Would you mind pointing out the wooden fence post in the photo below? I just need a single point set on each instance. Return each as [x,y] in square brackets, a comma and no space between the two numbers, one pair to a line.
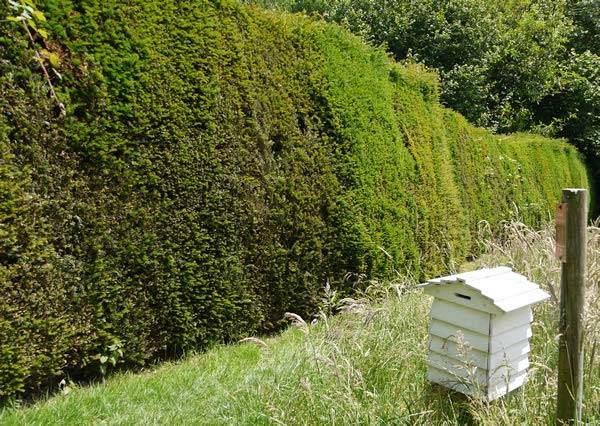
[573,210]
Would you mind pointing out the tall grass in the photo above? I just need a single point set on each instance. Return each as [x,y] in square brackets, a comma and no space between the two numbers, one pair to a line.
[366,365]
[531,253]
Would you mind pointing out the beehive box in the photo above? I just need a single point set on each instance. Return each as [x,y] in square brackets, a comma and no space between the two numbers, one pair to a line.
[479,330]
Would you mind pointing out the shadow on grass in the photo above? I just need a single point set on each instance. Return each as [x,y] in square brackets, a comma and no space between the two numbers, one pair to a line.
[447,404]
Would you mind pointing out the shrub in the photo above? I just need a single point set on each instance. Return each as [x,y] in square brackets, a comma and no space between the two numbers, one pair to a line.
[519,66]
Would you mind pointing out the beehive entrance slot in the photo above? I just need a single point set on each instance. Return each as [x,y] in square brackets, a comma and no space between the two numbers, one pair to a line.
[462,296]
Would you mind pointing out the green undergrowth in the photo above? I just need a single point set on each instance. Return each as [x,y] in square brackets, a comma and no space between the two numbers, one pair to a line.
[217,165]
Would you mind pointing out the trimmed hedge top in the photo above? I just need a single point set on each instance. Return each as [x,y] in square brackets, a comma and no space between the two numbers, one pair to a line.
[218,164]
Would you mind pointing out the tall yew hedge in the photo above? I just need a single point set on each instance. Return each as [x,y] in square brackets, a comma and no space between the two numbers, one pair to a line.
[217,165]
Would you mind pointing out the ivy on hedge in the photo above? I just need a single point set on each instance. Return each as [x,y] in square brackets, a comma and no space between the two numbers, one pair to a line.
[219,164]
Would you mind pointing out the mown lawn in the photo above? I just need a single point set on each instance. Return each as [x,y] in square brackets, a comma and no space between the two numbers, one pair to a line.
[364,366]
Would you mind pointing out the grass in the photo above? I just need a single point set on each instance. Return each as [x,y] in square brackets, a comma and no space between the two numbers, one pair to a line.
[364,366]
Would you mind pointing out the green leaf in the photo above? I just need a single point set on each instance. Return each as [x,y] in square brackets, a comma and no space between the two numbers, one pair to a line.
[54,60]
[39,16]
[42,32]
[14,18]
[103,359]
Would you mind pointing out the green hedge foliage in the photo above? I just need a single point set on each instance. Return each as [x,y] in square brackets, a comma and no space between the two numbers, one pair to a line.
[218,164]
[510,66]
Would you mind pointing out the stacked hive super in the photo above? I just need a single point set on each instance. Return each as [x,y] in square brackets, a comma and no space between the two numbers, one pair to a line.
[479,330]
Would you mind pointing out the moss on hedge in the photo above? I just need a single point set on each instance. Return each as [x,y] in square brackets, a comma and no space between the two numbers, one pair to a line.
[217,166]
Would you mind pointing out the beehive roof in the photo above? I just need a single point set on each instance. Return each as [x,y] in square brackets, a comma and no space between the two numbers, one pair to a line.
[506,289]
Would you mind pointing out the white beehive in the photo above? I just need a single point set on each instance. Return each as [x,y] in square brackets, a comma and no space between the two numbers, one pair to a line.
[479,330]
